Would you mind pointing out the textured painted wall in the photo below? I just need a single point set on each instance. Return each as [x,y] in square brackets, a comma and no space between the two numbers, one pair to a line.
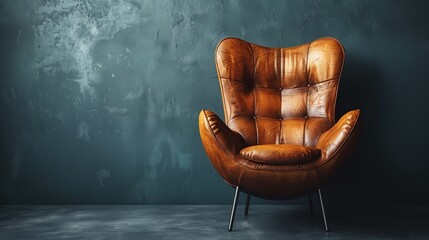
[99,99]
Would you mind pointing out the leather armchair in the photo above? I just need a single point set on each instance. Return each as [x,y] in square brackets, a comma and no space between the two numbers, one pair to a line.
[279,139]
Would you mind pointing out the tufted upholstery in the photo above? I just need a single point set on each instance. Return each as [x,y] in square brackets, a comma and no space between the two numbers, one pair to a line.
[279,95]
[279,139]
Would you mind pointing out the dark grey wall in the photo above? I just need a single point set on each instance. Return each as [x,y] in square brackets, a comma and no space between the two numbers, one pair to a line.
[99,99]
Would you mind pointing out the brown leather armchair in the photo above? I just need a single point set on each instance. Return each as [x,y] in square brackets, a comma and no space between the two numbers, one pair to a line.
[279,140]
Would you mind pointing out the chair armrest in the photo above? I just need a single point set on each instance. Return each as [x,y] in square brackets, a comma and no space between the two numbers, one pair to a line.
[222,146]
[214,131]
[336,138]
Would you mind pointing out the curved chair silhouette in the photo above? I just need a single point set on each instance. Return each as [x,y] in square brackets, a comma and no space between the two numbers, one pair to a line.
[280,140]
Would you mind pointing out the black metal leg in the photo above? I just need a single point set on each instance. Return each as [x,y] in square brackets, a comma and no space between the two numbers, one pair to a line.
[234,206]
[310,204]
[323,211]
[246,209]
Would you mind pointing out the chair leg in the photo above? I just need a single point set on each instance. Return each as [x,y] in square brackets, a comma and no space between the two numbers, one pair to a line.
[234,206]
[310,204]
[323,211]
[246,209]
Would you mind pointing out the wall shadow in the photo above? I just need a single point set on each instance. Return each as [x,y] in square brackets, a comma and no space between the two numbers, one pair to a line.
[360,88]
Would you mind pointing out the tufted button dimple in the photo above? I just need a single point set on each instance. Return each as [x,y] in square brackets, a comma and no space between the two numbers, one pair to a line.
[254,117]
[281,89]
[306,117]
[308,85]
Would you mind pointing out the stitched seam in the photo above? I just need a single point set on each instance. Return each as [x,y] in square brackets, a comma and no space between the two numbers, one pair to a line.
[299,118]
[308,90]
[267,118]
[274,89]
[254,96]
[327,80]
[281,131]
[267,88]
[303,137]
[280,138]
[219,81]
[230,79]
[234,117]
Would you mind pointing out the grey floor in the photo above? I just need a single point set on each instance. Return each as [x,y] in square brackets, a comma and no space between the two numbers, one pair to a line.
[210,222]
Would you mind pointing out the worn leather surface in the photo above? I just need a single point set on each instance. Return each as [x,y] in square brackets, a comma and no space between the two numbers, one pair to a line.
[280,153]
[276,98]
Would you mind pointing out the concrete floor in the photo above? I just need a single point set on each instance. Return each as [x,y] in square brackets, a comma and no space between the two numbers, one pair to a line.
[210,222]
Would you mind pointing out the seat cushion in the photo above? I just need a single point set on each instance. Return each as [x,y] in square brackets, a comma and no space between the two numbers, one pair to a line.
[280,153]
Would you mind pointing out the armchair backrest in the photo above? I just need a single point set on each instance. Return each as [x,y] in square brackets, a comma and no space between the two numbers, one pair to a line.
[279,95]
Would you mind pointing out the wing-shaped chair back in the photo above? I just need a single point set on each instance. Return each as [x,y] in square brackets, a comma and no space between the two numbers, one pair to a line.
[279,95]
